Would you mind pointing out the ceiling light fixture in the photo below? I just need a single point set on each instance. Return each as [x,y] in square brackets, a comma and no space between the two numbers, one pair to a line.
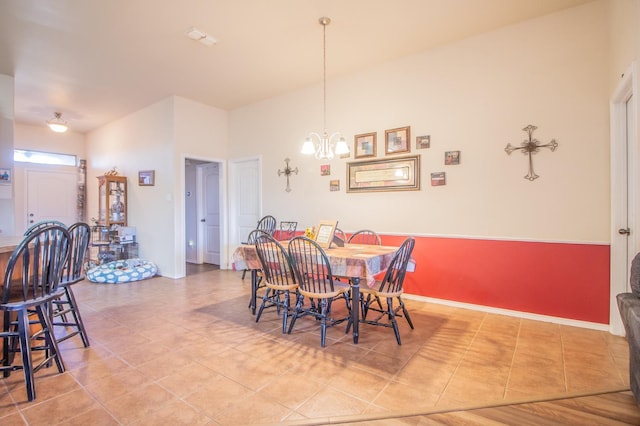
[323,148]
[195,34]
[57,124]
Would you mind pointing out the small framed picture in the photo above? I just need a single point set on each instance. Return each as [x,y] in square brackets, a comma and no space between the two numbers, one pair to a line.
[146,178]
[438,179]
[324,233]
[5,176]
[423,142]
[451,158]
[364,145]
[397,140]
[325,169]
[334,185]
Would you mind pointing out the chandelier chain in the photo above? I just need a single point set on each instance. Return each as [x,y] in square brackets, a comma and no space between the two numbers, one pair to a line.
[325,148]
[324,74]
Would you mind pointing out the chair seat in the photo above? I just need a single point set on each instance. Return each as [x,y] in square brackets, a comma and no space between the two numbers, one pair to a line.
[18,305]
[339,289]
[375,291]
[290,287]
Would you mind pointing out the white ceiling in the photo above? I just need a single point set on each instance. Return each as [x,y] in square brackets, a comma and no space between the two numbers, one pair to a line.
[98,60]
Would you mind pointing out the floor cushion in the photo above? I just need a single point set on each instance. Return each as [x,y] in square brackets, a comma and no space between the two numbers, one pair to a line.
[122,271]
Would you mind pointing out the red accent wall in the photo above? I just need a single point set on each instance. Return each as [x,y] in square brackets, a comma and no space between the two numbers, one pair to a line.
[561,280]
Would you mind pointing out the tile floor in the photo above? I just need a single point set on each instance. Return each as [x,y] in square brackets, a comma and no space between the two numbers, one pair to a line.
[189,352]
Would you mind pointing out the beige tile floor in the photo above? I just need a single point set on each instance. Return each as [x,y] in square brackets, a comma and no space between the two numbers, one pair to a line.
[189,352]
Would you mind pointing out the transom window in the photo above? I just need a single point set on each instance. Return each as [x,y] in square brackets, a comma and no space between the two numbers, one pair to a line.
[40,157]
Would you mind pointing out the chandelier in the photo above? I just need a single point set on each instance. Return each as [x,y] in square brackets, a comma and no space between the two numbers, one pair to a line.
[323,148]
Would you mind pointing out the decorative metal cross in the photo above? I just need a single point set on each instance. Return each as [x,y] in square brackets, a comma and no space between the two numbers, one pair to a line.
[287,172]
[531,147]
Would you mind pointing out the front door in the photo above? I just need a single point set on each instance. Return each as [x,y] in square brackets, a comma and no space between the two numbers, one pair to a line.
[51,195]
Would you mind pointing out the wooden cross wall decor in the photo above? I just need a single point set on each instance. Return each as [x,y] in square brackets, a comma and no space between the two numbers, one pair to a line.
[530,147]
[288,171]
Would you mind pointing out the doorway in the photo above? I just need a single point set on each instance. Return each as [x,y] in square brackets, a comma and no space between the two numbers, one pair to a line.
[203,214]
[625,192]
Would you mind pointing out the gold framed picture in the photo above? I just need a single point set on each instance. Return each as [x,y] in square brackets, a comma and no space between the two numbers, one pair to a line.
[396,141]
[364,145]
[386,174]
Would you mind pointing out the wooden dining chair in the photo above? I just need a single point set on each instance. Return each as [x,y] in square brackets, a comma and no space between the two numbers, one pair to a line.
[258,283]
[317,284]
[267,224]
[340,236]
[42,224]
[278,277]
[365,236]
[251,240]
[287,230]
[389,288]
[31,282]
[66,313]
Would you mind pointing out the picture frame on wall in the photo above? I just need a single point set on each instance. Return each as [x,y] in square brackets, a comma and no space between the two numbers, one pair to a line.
[438,179]
[451,158]
[396,141]
[146,178]
[423,142]
[5,176]
[365,145]
[384,174]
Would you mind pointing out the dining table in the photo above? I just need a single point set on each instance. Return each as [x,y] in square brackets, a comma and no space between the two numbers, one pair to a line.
[359,263]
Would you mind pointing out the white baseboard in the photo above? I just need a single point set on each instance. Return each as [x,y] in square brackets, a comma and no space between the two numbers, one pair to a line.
[508,312]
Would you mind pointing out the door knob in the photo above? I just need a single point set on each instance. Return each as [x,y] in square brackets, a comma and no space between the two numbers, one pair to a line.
[203,220]
[624,231]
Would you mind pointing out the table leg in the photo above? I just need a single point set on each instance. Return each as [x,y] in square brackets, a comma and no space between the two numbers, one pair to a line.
[355,307]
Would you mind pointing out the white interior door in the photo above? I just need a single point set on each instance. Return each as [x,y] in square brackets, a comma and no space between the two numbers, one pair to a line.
[51,195]
[625,192]
[245,198]
[211,213]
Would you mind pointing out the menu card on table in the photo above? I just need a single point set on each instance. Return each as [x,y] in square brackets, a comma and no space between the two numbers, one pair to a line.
[324,234]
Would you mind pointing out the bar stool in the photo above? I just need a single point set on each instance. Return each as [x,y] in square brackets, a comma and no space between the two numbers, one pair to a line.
[31,282]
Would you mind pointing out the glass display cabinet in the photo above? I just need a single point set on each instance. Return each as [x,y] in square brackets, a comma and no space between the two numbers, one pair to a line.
[112,205]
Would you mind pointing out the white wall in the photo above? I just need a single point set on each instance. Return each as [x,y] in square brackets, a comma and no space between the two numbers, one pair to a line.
[201,132]
[140,141]
[474,96]
[158,138]
[624,24]
[7,223]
